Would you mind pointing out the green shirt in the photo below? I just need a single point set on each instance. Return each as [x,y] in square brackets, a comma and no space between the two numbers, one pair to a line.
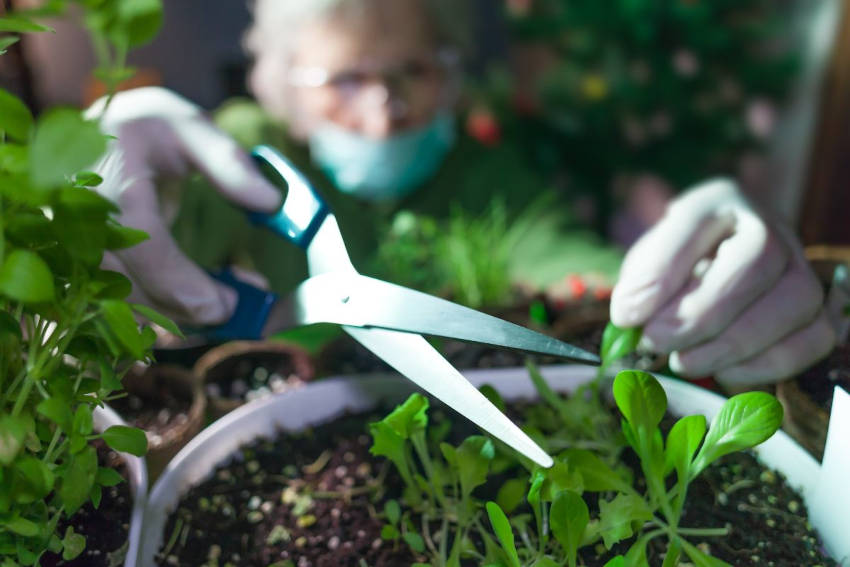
[213,232]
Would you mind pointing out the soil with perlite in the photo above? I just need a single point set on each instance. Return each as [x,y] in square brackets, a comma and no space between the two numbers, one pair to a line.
[312,500]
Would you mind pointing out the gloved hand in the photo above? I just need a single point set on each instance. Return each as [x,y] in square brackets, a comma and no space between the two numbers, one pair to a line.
[160,136]
[723,291]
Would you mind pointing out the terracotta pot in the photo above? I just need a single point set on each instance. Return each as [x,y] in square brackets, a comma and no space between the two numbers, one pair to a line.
[152,386]
[232,361]
[326,400]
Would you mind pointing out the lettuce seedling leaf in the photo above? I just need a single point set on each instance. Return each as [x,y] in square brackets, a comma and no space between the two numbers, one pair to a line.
[568,517]
[617,342]
[472,459]
[617,517]
[504,533]
[682,443]
[597,476]
[744,421]
[640,398]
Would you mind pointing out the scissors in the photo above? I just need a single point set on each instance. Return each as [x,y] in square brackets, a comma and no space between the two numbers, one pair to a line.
[387,319]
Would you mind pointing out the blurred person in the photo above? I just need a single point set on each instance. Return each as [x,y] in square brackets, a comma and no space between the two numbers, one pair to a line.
[361,95]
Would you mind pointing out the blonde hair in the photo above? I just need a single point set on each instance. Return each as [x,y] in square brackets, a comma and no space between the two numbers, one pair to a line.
[276,23]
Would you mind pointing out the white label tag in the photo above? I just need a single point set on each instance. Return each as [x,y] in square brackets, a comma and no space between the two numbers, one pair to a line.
[830,506]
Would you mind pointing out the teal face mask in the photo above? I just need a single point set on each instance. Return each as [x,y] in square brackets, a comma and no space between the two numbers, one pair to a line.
[385,169]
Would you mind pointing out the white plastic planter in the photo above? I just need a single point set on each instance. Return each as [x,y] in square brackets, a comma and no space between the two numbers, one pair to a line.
[328,399]
[105,418]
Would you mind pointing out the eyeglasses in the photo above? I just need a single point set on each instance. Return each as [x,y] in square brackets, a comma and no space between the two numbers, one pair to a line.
[407,79]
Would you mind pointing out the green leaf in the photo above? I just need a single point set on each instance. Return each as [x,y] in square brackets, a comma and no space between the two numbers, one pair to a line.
[472,459]
[141,20]
[78,480]
[82,424]
[106,284]
[389,532]
[21,25]
[13,431]
[393,511]
[569,517]
[617,342]
[616,518]
[15,117]
[682,443]
[161,320]
[126,439]
[96,496]
[511,494]
[72,544]
[119,237]
[87,179]
[108,477]
[560,477]
[546,562]
[597,476]
[33,480]
[744,421]
[386,442]
[701,559]
[618,561]
[640,398]
[25,277]
[410,416]
[414,541]
[504,533]
[21,526]
[8,41]
[119,317]
[64,143]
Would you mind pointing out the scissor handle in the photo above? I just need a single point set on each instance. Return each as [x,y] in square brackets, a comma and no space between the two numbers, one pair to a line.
[252,310]
[303,209]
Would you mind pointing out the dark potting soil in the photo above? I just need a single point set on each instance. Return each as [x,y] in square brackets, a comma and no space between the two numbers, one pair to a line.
[250,375]
[106,528]
[310,499]
[314,499]
[819,381]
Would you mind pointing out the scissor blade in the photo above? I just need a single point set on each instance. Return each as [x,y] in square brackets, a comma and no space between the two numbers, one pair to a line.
[415,359]
[327,252]
[354,299]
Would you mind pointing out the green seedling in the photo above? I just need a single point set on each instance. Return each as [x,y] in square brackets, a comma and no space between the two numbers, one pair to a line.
[67,333]
[540,518]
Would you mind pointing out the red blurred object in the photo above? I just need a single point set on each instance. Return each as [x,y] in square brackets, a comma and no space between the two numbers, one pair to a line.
[577,286]
[708,383]
[482,125]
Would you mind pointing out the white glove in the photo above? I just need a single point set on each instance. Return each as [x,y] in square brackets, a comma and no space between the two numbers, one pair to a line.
[161,135]
[723,291]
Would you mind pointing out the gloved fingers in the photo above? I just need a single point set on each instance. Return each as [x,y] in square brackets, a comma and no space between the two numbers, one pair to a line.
[226,165]
[784,359]
[792,304]
[172,282]
[662,261]
[745,266]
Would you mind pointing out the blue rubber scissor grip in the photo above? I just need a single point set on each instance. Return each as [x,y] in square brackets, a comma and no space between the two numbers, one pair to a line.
[303,209]
[252,310]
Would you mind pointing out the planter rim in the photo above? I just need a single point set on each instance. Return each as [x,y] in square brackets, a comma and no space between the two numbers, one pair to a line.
[103,418]
[331,398]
